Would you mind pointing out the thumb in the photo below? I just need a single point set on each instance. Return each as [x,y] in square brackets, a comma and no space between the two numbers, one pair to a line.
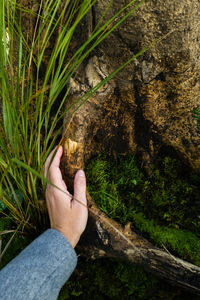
[80,188]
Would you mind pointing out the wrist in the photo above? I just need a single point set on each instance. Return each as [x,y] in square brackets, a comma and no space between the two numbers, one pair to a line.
[71,237]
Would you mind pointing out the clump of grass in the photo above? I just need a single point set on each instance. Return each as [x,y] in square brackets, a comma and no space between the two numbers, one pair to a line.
[164,205]
[33,96]
[29,124]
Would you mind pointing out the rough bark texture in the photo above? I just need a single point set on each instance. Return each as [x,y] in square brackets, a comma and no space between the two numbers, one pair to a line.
[149,104]
[145,107]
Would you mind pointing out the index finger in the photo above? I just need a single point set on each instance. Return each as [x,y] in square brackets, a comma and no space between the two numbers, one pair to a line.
[53,161]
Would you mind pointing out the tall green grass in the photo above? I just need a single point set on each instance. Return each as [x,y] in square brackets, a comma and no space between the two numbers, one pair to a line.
[27,125]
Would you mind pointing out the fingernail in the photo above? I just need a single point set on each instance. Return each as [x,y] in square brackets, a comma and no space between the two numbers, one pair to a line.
[81,173]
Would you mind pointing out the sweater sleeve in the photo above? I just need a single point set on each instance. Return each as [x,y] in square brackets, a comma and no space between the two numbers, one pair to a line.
[40,270]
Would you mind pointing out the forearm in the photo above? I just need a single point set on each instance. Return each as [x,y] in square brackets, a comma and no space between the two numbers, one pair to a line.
[40,270]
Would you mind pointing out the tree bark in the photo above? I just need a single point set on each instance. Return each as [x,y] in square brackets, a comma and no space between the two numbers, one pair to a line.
[149,104]
[144,108]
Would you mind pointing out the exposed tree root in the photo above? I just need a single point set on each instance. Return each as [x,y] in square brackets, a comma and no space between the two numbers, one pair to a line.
[106,238]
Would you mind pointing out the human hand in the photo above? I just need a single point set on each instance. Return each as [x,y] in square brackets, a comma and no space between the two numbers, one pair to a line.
[66,214]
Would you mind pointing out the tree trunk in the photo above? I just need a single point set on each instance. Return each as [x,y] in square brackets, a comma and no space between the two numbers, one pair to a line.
[145,107]
[149,104]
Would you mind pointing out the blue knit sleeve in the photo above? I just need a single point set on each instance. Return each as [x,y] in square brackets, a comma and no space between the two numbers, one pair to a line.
[40,270]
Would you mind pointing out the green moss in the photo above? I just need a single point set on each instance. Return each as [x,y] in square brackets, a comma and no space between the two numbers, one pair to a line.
[172,196]
[165,204]
[110,279]
[99,280]
[182,242]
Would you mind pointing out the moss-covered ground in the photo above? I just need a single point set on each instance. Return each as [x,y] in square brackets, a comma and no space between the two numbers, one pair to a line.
[164,205]
[108,279]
